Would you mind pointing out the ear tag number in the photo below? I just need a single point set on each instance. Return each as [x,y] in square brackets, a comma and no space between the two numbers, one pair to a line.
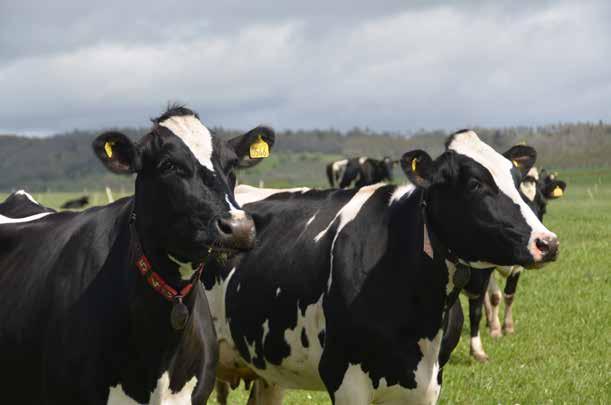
[557,192]
[259,149]
[414,164]
[108,148]
[515,163]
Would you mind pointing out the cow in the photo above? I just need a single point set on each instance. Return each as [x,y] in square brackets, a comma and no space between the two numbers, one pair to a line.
[482,289]
[105,305]
[361,171]
[21,204]
[76,203]
[346,290]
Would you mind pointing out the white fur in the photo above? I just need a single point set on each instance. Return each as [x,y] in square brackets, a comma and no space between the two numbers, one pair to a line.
[346,214]
[469,144]
[400,192]
[194,134]
[245,194]
[27,195]
[162,395]
[186,270]
[7,220]
[529,189]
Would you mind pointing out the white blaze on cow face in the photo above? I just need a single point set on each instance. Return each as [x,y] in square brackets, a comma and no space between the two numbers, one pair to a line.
[528,186]
[194,134]
[468,143]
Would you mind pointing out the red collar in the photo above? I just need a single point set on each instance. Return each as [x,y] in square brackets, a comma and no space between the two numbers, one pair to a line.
[160,285]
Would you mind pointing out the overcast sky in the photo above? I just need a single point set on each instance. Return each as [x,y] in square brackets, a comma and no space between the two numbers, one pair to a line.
[386,65]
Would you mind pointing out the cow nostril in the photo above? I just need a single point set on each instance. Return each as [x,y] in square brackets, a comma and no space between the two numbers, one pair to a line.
[542,245]
[224,226]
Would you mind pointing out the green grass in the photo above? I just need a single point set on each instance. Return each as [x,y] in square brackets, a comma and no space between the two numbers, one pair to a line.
[561,351]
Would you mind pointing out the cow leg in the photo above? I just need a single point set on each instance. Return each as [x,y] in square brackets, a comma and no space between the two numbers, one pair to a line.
[487,307]
[262,393]
[222,392]
[495,300]
[475,316]
[509,293]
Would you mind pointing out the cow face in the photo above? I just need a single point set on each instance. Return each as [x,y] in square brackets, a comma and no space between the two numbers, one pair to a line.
[475,206]
[184,186]
[388,164]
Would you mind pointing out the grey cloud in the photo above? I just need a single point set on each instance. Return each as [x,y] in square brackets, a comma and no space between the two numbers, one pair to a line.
[305,65]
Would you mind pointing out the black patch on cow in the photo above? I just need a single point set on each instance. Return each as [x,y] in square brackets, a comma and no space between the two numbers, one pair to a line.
[321,338]
[304,339]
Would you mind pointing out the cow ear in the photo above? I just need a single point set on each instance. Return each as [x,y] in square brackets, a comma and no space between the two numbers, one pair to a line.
[555,189]
[117,152]
[253,146]
[418,167]
[523,157]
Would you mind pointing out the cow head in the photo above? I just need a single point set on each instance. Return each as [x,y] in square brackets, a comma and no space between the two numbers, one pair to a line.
[388,164]
[537,188]
[475,206]
[184,197]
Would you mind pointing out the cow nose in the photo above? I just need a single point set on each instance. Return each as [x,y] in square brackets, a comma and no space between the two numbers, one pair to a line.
[236,231]
[546,247]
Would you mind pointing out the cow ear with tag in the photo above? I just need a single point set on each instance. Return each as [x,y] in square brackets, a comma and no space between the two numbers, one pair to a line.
[117,152]
[253,146]
[418,166]
[523,157]
[554,189]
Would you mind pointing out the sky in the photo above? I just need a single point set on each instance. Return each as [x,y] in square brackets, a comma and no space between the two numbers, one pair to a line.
[384,65]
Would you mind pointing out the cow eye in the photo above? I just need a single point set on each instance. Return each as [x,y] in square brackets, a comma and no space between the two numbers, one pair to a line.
[473,186]
[167,166]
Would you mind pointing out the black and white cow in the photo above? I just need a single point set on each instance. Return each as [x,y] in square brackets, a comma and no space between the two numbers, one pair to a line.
[21,204]
[482,289]
[104,305]
[351,286]
[361,171]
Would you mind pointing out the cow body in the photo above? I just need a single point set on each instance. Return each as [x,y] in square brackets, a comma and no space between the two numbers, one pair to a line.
[351,286]
[21,204]
[359,172]
[82,321]
[76,203]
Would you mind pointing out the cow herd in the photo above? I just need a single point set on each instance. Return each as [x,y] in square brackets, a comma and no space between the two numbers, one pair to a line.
[192,280]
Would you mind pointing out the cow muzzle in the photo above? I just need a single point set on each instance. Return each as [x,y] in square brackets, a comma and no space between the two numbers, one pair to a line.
[236,231]
[544,247]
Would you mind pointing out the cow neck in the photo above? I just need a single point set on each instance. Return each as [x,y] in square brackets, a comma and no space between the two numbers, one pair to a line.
[441,253]
[153,278]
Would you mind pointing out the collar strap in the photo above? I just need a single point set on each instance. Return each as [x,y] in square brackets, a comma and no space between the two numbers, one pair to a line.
[153,278]
[160,285]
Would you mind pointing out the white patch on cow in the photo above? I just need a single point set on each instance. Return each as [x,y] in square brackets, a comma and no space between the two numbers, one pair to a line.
[195,135]
[507,271]
[338,168]
[186,270]
[245,194]
[451,270]
[468,144]
[300,368]
[357,387]
[534,173]
[278,290]
[236,213]
[7,220]
[162,395]
[312,218]
[529,189]
[27,195]
[476,344]
[401,192]
[346,214]
[362,160]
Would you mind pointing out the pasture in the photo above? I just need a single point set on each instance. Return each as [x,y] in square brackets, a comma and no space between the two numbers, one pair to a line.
[561,352]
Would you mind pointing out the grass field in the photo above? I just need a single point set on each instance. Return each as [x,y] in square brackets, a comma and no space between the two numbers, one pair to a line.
[561,352]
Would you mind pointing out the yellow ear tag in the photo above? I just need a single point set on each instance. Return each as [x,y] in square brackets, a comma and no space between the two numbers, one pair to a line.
[557,192]
[259,149]
[414,163]
[108,148]
[515,163]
